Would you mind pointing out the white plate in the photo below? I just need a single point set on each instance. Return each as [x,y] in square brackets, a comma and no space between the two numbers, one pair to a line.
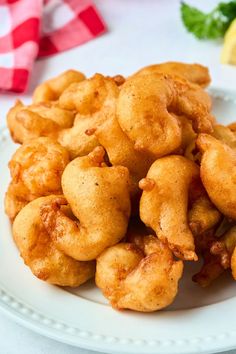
[200,320]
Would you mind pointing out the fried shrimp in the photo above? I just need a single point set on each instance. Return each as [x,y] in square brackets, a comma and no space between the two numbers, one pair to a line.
[95,100]
[39,252]
[144,111]
[187,132]
[195,73]
[218,255]
[164,203]
[218,173]
[225,134]
[202,215]
[51,90]
[141,276]
[36,120]
[121,151]
[36,169]
[89,96]
[76,140]
[99,197]
[225,249]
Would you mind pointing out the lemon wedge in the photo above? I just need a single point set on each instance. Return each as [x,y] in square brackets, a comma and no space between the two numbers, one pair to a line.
[228,54]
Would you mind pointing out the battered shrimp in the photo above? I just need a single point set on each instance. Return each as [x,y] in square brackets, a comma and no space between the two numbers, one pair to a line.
[141,276]
[218,173]
[40,253]
[195,73]
[120,151]
[51,90]
[36,169]
[144,111]
[164,203]
[218,255]
[187,133]
[225,135]
[89,96]
[95,100]
[33,121]
[76,140]
[203,215]
[99,197]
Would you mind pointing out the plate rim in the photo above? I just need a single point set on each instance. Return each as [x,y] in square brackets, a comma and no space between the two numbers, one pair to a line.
[32,319]
[9,305]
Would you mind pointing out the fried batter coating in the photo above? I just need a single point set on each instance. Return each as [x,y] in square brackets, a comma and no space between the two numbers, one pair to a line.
[144,110]
[195,73]
[40,253]
[120,151]
[89,96]
[218,173]
[233,263]
[76,140]
[218,255]
[192,152]
[225,248]
[187,132]
[211,268]
[51,90]
[225,134]
[210,271]
[232,127]
[33,121]
[164,203]
[141,276]
[36,169]
[95,100]
[203,215]
[119,79]
[99,197]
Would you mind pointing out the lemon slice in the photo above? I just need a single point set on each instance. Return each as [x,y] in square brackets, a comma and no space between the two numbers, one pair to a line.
[228,54]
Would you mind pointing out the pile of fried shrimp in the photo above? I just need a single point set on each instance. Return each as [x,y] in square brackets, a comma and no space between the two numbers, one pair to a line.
[124,179]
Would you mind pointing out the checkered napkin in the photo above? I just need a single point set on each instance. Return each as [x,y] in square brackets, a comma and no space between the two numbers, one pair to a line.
[39,28]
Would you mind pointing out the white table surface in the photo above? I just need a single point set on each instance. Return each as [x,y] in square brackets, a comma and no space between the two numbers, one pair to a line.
[141,32]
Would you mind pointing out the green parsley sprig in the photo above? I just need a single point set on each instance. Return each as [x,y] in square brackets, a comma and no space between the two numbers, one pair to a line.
[210,25]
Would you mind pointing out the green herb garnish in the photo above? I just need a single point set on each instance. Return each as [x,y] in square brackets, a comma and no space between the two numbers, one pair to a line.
[210,25]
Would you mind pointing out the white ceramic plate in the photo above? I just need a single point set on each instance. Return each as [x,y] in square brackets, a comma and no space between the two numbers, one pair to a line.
[200,320]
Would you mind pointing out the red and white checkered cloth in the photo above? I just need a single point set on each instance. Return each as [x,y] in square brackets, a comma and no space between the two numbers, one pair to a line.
[39,28]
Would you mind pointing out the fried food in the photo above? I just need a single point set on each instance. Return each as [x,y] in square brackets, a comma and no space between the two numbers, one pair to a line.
[90,96]
[225,134]
[121,151]
[164,203]
[232,127]
[218,255]
[203,215]
[40,253]
[36,169]
[144,111]
[99,198]
[210,271]
[218,173]
[95,101]
[187,133]
[98,152]
[195,73]
[141,276]
[225,248]
[50,90]
[192,152]
[76,140]
[36,120]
